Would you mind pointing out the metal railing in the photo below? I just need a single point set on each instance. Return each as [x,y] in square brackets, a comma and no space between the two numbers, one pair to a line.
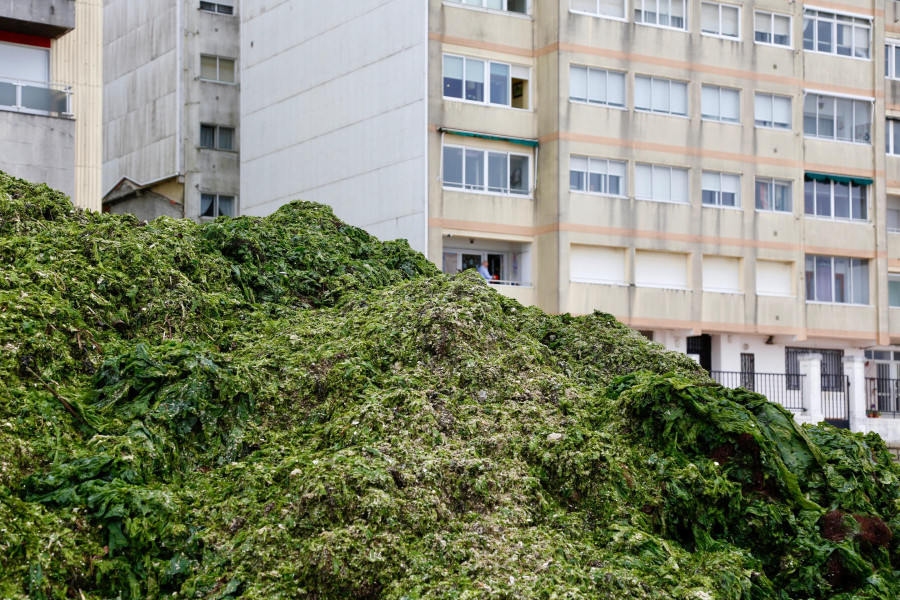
[836,400]
[883,396]
[509,282]
[783,389]
[35,97]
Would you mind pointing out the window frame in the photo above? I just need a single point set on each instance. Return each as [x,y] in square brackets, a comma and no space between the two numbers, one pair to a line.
[219,60]
[651,78]
[640,21]
[892,278]
[719,118]
[485,188]
[687,171]
[892,50]
[216,8]
[605,174]
[623,18]
[216,138]
[772,16]
[831,216]
[486,81]
[215,205]
[772,97]
[719,6]
[718,193]
[624,74]
[810,280]
[834,29]
[892,136]
[835,98]
[773,182]
[505,10]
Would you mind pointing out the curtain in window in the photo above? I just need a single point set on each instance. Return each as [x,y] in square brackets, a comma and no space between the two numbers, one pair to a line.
[207,202]
[823,279]
[207,136]
[226,206]
[782,197]
[226,138]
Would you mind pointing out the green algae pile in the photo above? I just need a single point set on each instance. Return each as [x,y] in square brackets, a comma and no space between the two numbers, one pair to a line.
[286,407]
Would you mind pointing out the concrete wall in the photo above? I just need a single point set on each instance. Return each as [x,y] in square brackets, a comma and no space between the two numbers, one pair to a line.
[39,149]
[49,18]
[333,110]
[141,95]
[78,62]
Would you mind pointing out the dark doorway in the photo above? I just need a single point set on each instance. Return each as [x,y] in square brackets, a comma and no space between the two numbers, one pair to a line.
[702,346]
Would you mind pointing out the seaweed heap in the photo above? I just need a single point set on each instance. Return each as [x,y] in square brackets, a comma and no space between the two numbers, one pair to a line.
[287,408]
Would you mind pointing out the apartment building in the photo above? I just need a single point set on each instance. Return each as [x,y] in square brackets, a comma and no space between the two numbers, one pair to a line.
[722,176]
[49,104]
[171,99]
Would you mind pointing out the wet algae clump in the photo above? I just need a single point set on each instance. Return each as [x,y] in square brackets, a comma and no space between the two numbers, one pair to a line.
[287,408]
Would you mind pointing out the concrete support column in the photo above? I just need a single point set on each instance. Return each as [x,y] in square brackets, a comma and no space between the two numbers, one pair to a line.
[855,370]
[811,368]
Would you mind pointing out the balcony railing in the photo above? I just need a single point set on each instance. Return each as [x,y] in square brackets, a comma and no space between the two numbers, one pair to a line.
[509,282]
[786,390]
[883,396]
[36,98]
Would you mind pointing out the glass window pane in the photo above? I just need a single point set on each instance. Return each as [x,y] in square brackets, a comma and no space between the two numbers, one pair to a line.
[782,26]
[730,21]
[643,181]
[844,39]
[823,198]
[578,83]
[677,14]
[860,281]
[474,80]
[858,202]
[500,84]
[810,106]
[208,68]
[731,105]
[612,8]
[809,197]
[660,95]
[823,31]
[731,190]
[642,92]
[207,136]
[709,18]
[679,185]
[497,176]
[763,193]
[709,102]
[893,292]
[862,121]
[597,86]
[762,27]
[226,70]
[783,197]
[474,169]
[226,206]
[615,91]
[782,112]
[823,279]
[453,167]
[842,280]
[662,183]
[825,122]
[841,201]
[453,77]
[577,172]
[810,272]
[679,98]
[226,138]
[861,42]
[207,205]
[762,108]
[809,29]
[844,119]
[519,180]
[616,178]
[597,176]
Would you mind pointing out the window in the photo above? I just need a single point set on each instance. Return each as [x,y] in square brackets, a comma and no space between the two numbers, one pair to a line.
[26,80]
[894,289]
[216,68]
[772,111]
[836,34]
[216,205]
[516,6]
[721,189]
[892,59]
[222,9]
[486,171]
[597,176]
[662,13]
[892,137]
[773,194]
[837,279]
[774,278]
[722,274]
[893,214]
[662,184]
[720,19]
[720,104]
[597,86]
[837,200]
[660,270]
[841,119]
[771,28]
[465,78]
[219,138]
[660,95]
[594,264]
[614,9]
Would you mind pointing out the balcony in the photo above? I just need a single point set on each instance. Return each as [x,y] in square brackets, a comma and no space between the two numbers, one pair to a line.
[36,98]
[44,18]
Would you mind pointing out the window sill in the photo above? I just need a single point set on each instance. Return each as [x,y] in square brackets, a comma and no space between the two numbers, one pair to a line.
[771,45]
[825,139]
[820,303]
[675,202]
[599,282]
[217,149]
[607,17]
[492,11]
[772,295]
[772,211]
[234,83]
[731,38]
[598,194]
[788,129]
[719,291]
[720,121]
[721,207]
[600,104]
[669,27]
[652,286]
[662,114]
[837,219]
[485,104]
[528,196]
[869,59]
[893,230]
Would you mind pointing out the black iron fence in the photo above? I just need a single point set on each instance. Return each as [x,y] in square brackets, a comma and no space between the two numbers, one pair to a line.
[786,390]
[883,396]
[836,400]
